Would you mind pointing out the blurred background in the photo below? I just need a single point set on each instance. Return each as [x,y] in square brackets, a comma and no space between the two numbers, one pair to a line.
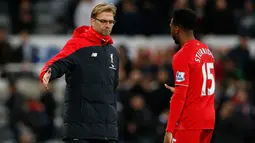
[32,31]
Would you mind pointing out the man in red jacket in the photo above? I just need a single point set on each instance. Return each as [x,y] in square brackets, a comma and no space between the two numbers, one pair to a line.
[90,64]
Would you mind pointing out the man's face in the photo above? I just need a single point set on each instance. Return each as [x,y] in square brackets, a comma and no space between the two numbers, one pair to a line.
[244,42]
[3,34]
[174,32]
[103,23]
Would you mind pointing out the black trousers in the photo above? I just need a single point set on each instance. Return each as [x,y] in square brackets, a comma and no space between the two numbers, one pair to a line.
[89,141]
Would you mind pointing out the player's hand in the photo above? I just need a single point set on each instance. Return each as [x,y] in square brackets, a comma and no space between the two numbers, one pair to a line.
[227,109]
[168,138]
[46,78]
[169,87]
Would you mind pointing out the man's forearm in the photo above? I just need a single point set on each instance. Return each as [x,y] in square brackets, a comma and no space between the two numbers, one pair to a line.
[176,107]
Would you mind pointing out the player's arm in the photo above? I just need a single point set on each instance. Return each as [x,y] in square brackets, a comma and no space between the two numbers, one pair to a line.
[181,71]
[60,63]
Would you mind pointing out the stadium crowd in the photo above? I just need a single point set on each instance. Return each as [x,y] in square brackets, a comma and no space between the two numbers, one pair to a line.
[146,17]
[143,101]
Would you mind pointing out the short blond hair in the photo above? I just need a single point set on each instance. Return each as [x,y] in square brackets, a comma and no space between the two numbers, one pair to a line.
[103,7]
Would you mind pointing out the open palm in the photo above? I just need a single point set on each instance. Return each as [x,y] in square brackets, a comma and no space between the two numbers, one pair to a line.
[46,78]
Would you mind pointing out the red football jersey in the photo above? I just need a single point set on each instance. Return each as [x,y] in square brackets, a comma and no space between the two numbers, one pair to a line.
[193,67]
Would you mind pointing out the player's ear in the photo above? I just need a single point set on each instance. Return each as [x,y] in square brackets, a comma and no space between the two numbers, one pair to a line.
[92,20]
[177,29]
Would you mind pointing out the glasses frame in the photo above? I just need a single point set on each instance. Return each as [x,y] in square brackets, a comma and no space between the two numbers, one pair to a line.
[103,21]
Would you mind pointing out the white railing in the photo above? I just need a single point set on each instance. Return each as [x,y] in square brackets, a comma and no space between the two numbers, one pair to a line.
[134,42]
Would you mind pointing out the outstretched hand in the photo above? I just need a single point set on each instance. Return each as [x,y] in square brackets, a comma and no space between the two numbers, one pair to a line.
[46,78]
[169,87]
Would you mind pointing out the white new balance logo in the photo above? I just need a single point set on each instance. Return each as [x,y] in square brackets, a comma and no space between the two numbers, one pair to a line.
[94,55]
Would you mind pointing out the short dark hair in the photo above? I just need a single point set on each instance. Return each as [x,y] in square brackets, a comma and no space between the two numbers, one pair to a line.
[185,18]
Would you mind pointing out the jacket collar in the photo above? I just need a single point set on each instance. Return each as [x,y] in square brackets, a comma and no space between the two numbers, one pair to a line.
[89,33]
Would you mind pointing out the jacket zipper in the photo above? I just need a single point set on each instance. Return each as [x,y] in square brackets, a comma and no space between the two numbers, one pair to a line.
[105,67]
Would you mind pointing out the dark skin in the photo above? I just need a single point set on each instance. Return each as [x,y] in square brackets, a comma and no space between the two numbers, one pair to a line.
[180,37]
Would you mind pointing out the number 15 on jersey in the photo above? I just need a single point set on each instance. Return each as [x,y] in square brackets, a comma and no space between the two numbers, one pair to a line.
[208,76]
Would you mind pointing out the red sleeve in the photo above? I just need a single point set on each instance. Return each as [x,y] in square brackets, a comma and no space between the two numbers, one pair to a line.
[60,68]
[176,107]
[181,71]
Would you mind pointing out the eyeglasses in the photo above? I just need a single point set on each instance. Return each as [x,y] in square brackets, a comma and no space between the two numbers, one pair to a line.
[103,21]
